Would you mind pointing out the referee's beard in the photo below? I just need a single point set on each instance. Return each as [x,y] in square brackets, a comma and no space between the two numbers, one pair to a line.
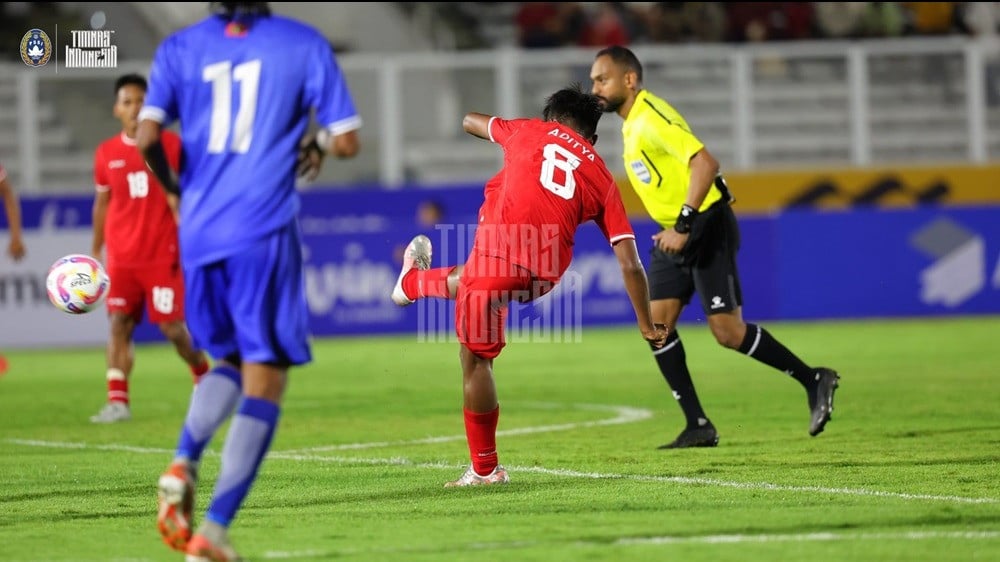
[610,106]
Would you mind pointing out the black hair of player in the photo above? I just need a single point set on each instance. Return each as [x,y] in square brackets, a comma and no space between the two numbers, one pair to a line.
[132,79]
[574,108]
[239,10]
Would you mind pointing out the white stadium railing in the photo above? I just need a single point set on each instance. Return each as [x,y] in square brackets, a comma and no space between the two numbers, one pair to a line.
[769,105]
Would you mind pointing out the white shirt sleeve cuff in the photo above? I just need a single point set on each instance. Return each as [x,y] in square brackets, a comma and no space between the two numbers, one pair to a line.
[153,114]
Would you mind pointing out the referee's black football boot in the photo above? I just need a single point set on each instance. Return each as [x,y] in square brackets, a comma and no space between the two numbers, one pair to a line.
[703,436]
[821,399]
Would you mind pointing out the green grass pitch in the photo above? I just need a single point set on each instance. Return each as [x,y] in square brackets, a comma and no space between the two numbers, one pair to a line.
[909,468]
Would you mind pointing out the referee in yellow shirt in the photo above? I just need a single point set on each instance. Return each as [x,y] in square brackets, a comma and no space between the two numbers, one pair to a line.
[678,181]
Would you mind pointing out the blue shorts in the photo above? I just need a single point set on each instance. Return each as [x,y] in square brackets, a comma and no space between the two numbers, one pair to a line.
[252,304]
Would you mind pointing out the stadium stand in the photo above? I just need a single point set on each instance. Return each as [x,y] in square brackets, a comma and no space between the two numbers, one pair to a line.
[447,57]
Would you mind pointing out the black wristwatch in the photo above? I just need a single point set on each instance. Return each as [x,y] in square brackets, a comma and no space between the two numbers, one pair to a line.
[685,219]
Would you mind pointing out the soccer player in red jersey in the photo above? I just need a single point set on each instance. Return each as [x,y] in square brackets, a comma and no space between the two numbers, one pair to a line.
[552,182]
[135,221]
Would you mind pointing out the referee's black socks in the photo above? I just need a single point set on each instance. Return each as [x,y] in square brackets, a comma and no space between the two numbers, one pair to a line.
[673,365]
[761,345]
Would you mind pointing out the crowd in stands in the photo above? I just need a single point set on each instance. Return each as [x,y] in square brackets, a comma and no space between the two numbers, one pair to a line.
[597,24]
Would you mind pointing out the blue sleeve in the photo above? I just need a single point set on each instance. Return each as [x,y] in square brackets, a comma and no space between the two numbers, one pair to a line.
[161,95]
[327,92]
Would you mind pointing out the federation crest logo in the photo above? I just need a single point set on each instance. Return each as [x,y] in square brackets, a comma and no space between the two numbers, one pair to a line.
[36,48]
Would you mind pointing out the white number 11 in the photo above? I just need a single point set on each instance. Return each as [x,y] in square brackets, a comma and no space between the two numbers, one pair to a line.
[222,75]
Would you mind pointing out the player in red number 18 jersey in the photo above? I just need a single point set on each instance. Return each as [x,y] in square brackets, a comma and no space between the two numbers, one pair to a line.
[136,223]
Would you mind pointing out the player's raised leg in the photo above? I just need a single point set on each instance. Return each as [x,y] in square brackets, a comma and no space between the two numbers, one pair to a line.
[416,259]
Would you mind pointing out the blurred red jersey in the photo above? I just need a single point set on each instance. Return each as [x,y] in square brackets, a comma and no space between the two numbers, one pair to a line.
[552,182]
[490,190]
[140,228]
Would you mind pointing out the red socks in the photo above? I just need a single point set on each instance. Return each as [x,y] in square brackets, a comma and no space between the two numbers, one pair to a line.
[199,371]
[481,434]
[418,284]
[117,386]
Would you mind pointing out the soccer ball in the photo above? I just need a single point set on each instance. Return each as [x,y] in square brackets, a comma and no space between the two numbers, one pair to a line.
[77,283]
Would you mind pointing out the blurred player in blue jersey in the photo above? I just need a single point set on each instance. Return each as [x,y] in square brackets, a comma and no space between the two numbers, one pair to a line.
[242,84]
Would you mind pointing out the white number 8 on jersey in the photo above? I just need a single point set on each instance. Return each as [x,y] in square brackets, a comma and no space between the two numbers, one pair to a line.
[558,158]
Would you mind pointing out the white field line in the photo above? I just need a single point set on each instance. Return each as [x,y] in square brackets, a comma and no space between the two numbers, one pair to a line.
[649,478]
[807,537]
[623,414]
[667,540]
[565,473]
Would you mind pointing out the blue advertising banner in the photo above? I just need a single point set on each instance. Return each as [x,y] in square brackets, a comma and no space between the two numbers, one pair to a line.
[797,265]
[807,264]
[870,263]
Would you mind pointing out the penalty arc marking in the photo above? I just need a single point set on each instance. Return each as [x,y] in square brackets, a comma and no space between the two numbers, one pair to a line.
[623,414]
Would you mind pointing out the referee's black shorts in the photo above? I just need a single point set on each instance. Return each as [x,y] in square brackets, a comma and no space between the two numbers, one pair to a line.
[707,265]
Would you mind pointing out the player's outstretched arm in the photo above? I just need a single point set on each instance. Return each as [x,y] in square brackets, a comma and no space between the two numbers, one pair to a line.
[477,124]
[637,288]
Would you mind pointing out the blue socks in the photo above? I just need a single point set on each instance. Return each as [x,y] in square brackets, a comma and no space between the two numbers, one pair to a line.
[250,435]
[249,439]
[213,401]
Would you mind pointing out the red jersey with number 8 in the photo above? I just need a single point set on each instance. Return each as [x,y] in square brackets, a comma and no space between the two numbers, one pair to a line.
[139,228]
[553,181]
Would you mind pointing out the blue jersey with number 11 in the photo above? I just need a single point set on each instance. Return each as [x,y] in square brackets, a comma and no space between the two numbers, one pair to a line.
[242,96]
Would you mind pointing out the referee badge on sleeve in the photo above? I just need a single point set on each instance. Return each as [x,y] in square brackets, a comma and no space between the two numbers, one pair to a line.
[641,171]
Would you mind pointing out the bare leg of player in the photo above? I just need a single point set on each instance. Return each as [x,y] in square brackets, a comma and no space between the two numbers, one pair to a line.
[179,336]
[452,280]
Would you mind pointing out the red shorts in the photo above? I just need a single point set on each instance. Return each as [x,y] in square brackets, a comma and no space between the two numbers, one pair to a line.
[486,288]
[158,287]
